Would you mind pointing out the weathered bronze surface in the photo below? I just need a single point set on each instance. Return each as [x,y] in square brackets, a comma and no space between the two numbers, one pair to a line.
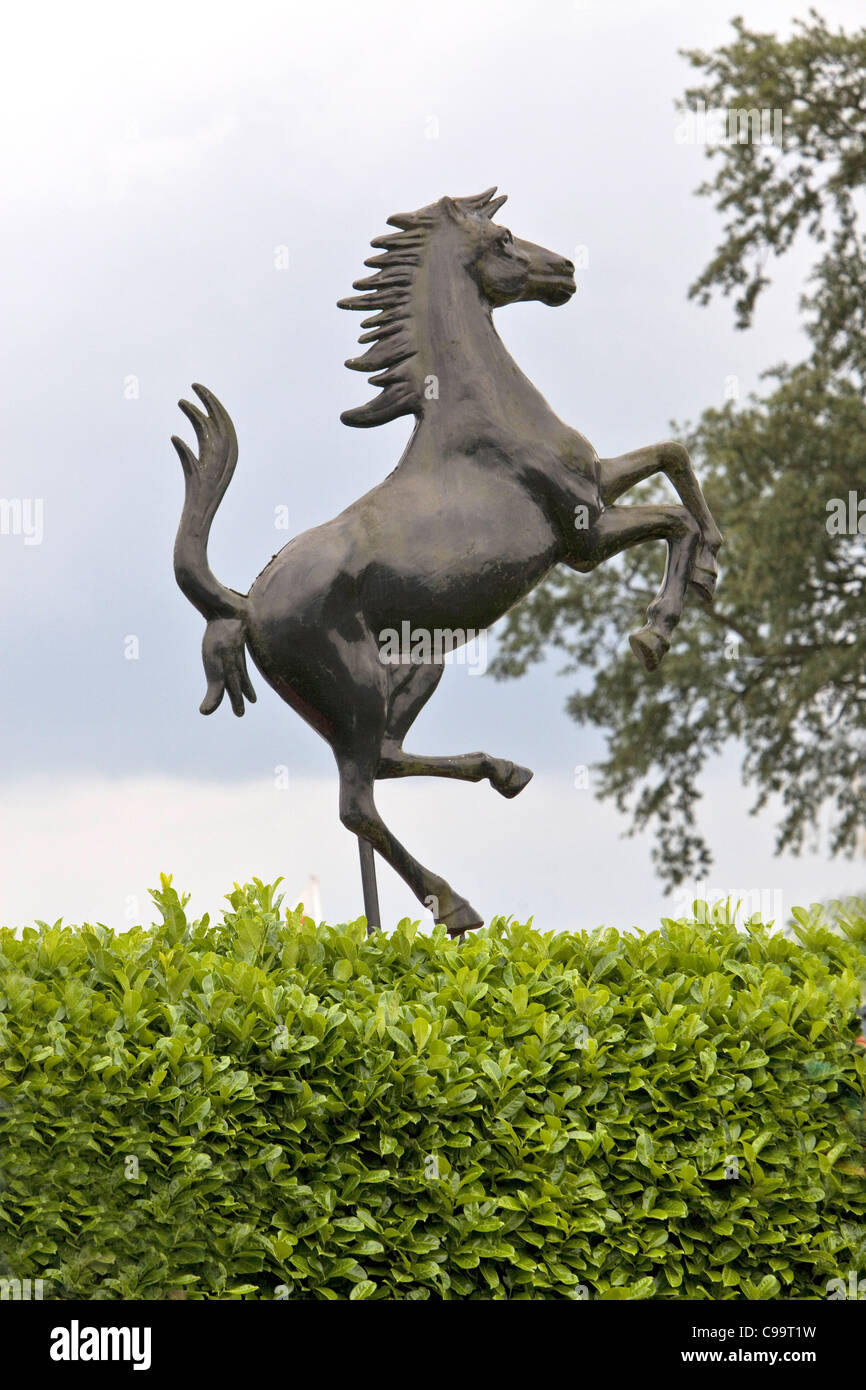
[492,490]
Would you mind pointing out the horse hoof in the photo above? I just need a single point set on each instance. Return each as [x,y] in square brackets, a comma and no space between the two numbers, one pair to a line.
[704,583]
[514,780]
[461,918]
[648,646]
[705,572]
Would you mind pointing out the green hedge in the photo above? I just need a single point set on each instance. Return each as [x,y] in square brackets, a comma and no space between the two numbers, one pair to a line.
[267,1108]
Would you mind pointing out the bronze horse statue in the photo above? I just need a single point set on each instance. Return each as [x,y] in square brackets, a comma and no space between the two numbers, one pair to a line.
[492,491]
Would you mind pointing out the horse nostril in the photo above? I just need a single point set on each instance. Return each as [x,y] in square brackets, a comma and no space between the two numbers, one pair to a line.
[569,266]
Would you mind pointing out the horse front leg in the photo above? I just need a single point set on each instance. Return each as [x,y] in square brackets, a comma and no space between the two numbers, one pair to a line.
[673,459]
[620,528]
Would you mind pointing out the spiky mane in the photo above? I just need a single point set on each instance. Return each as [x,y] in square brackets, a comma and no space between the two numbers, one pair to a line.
[391,327]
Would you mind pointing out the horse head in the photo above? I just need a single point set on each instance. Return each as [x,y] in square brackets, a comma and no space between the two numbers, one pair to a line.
[432,243]
[505,268]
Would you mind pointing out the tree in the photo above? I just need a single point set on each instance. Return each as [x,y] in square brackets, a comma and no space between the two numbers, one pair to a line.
[779,661]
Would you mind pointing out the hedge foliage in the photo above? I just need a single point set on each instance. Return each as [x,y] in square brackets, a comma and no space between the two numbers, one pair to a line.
[267,1108]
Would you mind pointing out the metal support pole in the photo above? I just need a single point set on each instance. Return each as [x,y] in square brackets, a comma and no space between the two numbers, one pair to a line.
[368,881]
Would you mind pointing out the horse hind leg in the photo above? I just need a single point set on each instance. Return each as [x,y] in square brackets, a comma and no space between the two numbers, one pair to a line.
[406,704]
[359,813]
[363,705]
[506,777]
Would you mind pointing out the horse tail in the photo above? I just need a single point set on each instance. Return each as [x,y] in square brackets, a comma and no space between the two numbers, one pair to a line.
[225,610]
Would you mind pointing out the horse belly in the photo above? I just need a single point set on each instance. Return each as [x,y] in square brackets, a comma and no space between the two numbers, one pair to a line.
[456,561]
[459,569]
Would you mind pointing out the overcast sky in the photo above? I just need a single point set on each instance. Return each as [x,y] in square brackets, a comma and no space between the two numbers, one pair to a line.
[154,162]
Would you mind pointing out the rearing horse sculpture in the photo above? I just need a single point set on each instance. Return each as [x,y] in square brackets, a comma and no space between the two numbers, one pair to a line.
[492,490]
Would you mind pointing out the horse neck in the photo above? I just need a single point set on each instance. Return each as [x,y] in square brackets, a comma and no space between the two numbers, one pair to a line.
[477,380]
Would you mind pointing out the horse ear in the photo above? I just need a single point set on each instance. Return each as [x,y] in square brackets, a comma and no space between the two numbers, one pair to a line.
[494,205]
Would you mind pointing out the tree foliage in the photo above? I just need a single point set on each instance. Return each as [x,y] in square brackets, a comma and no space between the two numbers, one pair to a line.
[770,192]
[779,661]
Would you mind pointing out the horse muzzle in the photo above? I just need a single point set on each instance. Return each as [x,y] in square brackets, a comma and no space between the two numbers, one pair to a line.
[553,289]
[550,279]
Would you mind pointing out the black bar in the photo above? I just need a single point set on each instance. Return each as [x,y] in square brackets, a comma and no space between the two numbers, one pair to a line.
[217,1339]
